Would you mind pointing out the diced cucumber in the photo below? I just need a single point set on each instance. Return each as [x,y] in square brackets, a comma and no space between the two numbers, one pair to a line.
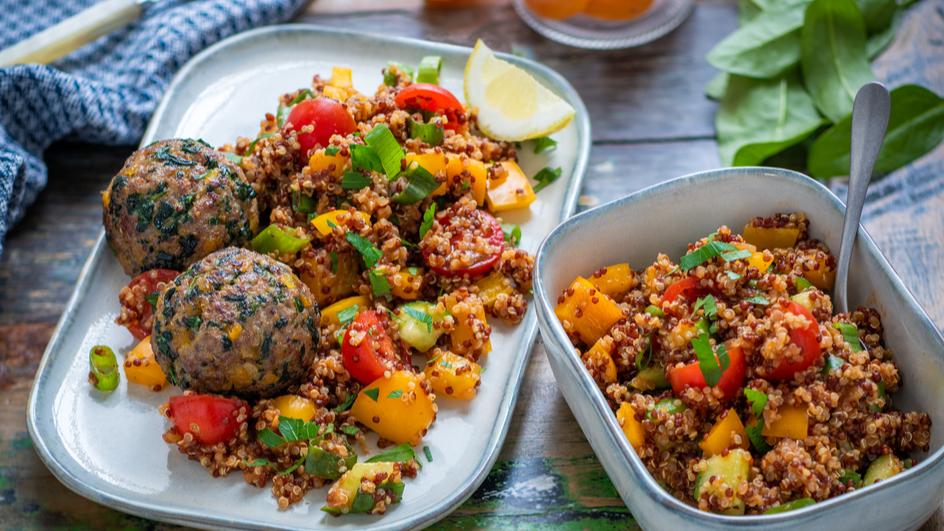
[650,379]
[803,299]
[881,469]
[416,324]
[730,471]
[669,405]
[345,495]
[326,465]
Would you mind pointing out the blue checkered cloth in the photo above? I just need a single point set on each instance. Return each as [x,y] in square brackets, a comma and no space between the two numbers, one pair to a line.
[106,91]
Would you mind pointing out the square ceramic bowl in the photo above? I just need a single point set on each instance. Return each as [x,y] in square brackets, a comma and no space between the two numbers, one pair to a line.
[664,218]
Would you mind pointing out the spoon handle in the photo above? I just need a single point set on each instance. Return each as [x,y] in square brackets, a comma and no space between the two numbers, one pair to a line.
[869,120]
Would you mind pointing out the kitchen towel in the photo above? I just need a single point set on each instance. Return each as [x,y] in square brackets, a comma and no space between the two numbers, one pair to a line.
[106,91]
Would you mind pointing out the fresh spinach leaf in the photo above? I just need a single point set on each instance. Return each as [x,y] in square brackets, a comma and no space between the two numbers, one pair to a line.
[833,55]
[716,87]
[764,47]
[915,127]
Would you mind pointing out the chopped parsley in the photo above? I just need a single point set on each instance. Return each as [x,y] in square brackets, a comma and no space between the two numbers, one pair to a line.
[643,359]
[428,217]
[294,466]
[373,393]
[712,365]
[259,461]
[334,261]
[758,299]
[420,316]
[354,180]
[420,183]
[369,252]
[851,475]
[544,144]
[395,394]
[350,430]
[833,363]
[655,311]
[428,453]
[758,401]
[332,150]
[348,314]
[346,405]
[512,234]
[402,453]
[545,177]
[710,250]
[710,305]
[379,284]
[152,299]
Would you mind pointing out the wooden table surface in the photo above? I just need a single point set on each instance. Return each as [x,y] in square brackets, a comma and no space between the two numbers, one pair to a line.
[650,123]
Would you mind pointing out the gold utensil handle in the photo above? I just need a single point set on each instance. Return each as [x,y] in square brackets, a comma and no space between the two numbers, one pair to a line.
[72,33]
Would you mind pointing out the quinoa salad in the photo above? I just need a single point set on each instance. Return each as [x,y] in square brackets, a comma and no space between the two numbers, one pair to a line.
[335,275]
[733,379]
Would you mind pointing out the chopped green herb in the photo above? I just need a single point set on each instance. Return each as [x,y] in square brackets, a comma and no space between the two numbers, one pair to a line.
[378,283]
[428,71]
[655,311]
[431,134]
[294,466]
[333,255]
[731,256]
[252,145]
[833,363]
[303,203]
[544,144]
[849,475]
[354,180]
[712,366]
[420,316]
[402,453]
[428,218]
[395,394]
[791,506]
[429,454]
[850,333]
[276,239]
[545,177]
[368,251]
[232,157]
[270,438]
[710,305]
[259,461]
[385,146]
[512,234]
[332,150]
[346,405]
[802,284]
[348,314]
[757,399]
[350,430]
[645,358]
[706,252]
[732,275]
[297,430]
[758,299]
[152,300]
[373,393]
[420,183]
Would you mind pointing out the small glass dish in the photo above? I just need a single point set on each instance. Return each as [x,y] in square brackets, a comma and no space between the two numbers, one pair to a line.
[583,31]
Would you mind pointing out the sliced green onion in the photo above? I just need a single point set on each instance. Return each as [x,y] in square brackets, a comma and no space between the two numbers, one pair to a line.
[385,146]
[850,333]
[103,368]
[431,134]
[364,158]
[275,238]
[802,284]
[302,203]
[420,183]
[544,144]
[354,180]
[545,177]
[712,366]
[428,71]
[428,217]
[390,78]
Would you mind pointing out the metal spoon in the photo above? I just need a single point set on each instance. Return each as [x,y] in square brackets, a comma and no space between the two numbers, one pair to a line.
[869,120]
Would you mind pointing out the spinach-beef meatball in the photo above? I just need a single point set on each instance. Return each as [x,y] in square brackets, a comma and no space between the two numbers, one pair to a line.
[236,322]
[174,202]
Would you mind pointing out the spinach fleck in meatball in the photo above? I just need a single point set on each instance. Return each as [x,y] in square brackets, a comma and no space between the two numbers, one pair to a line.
[236,322]
[174,202]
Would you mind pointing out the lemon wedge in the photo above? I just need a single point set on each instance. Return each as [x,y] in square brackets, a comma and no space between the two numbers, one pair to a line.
[510,104]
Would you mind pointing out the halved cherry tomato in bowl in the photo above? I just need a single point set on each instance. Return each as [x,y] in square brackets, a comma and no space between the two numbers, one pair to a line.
[139,323]
[210,419]
[432,98]
[328,117]
[730,382]
[805,339]
[476,243]
[374,352]
[688,288]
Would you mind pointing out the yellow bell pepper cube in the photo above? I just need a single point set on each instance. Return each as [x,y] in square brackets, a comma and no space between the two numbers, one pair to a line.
[320,161]
[323,223]
[471,334]
[600,355]
[331,287]
[295,407]
[397,408]
[330,314]
[615,280]
[793,423]
[770,237]
[405,284]
[141,366]
[513,191]
[493,285]
[453,376]
[722,435]
[334,93]
[452,166]
[632,428]
[822,277]
[341,77]
[586,312]
[760,261]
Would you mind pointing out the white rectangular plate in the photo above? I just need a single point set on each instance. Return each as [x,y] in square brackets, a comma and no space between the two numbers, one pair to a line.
[109,448]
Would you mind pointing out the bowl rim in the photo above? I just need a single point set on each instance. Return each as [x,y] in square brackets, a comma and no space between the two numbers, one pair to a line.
[614,435]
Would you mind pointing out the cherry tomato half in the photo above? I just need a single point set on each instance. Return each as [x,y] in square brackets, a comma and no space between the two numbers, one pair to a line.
[687,287]
[805,338]
[432,98]
[140,325]
[328,116]
[375,353]
[210,419]
[730,382]
[477,239]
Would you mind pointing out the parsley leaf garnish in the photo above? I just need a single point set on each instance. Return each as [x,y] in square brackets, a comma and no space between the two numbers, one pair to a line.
[350,430]
[270,438]
[758,299]
[152,299]
[429,454]
[402,453]
[354,180]
[395,394]
[712,366]
[346,405]
[378,283]
[373,393]
[710,305]
[712,249]
[332,150]
[369,252]
[544,144]
[348,314]
[545,177]
[758,401]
